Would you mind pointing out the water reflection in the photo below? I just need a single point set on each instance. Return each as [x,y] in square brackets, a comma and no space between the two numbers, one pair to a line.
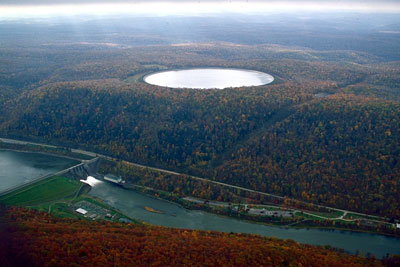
[133,204]
[18,168]
[209,78]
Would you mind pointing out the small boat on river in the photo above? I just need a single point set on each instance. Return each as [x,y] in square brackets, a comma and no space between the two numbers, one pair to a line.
[153,210]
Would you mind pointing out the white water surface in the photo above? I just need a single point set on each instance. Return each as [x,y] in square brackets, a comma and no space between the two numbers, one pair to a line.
[90,180]
[209,78]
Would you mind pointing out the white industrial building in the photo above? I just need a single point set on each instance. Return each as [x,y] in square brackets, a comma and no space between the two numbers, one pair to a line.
[114,179]
[81,211]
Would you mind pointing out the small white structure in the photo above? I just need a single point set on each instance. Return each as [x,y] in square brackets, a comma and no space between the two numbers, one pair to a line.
[114,179]
[90,180]
[81,211]
[398,225]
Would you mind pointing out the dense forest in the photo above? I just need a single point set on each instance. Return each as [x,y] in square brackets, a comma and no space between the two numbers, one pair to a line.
[36,239]
[317,133]
[339,151]
[325,131]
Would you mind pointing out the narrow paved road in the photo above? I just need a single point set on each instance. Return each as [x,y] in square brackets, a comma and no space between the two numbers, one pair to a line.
[92,154]
[252,191]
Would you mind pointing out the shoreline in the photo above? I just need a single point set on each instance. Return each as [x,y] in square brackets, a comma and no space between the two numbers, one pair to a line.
[265,223]
[43,153]
[211,210]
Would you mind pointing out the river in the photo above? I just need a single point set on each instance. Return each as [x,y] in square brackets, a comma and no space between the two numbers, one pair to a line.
[17,168]
[133,203]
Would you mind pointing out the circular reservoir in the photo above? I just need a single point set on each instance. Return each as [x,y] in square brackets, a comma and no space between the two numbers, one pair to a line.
[208,78]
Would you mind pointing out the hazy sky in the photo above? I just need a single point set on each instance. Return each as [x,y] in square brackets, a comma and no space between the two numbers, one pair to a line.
[28,8]
[47,2]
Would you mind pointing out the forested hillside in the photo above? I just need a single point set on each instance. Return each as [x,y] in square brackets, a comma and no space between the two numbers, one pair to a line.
[326,131]
[37,239]
[318,147]
[342,151]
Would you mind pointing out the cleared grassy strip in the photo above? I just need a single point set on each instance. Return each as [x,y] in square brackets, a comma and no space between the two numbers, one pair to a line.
[59,209]
[63,210]
[333,214]
[352,216]
[139,76]
[269,208]
[51,189]
[136,78]
[309,216]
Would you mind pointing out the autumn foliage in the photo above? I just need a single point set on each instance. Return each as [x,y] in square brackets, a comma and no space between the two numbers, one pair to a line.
[32,238]
[324,132]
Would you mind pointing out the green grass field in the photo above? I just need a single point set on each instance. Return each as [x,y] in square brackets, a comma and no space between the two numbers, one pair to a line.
[58,209]
[136,78]
[333,214]
[352,216]
[56,195]
[48,190]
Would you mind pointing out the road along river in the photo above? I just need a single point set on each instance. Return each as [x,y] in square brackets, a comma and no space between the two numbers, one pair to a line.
[171,215]
[17,168]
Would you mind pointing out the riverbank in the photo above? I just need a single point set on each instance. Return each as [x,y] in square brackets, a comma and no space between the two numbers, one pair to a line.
[42,153]
[132,203]
[45,150]
[325,218]
[62,196]
[297,221]
[156,182]
[301,217]
[37,232]
[110,202]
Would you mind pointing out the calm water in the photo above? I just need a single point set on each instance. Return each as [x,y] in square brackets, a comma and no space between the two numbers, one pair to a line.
[132,204]
[208,78]
[17,168]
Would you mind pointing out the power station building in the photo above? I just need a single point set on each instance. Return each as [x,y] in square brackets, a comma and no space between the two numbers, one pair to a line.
[114,179]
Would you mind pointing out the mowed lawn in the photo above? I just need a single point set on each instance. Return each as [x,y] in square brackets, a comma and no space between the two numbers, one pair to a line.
[51,189]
